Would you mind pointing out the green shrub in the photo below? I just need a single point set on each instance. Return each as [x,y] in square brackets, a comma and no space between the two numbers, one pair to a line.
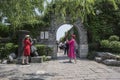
[2,51]
[49,51]
[9,47]
[4,30]
[115,46]
[43,50]
[94,46]
[105,44]
[114,38]
[44,58]
[91,55]
[6,49]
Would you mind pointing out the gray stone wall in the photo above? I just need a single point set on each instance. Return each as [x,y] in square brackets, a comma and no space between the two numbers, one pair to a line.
[83,46]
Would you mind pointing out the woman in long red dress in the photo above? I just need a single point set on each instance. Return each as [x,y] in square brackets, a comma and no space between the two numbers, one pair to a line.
[26,52]
[71,52]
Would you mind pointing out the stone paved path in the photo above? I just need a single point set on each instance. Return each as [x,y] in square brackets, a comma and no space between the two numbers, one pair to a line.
[59,69]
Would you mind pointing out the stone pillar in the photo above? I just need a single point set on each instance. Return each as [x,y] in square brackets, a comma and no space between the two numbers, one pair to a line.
[83,50]
[53,36]
[83,46]
[21,35]
[54,56]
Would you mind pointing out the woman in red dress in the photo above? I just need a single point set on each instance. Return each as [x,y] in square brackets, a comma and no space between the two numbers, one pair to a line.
[26,52]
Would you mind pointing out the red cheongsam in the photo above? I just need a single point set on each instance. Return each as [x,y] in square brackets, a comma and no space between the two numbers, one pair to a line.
[27,45]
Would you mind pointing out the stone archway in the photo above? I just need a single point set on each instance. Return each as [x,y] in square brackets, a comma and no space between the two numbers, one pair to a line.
[83,46]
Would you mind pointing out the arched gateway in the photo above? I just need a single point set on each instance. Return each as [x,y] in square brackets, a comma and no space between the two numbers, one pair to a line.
[52,30]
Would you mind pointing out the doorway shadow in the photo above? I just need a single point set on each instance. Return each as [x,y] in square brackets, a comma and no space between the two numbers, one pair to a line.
[62,57]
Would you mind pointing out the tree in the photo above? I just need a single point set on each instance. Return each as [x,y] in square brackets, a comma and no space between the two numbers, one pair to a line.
[21,12]
[105,23]
[76,8]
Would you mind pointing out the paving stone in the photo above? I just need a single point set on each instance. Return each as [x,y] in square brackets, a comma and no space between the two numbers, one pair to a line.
[60,69]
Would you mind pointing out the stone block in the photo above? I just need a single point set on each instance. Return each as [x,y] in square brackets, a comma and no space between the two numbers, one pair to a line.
[49,57]
[38,59]
[19,60]
[106,55]
[111,62]
[4,61]
[118,58]
[98,59]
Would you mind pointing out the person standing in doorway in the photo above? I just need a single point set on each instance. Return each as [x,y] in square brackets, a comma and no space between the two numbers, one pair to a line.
[66,47]
[26,49]
[71,53]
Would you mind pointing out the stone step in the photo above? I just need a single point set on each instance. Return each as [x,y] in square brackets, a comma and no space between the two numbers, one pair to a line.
[38,59]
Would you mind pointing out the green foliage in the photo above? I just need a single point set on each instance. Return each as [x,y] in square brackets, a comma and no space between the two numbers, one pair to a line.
[105,43]
[112,45]
[68,35]
[81,9]
[114,38]
[2,49]
[98,28]
[105,22]
[4,30]
[19,12]
[44,58]
[76,34]
[115,46]
[6,49]
[43,50]
[65,8]
[94,46]
[91,55]
[49,51]
[99,25]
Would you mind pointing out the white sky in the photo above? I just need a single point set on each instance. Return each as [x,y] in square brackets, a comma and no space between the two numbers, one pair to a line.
[49,0]
[61,31]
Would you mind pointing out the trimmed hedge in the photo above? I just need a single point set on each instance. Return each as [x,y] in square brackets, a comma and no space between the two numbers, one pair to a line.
[115,46]
[44,50]
[7,48]
[113,38]
[105,43]
[112,44]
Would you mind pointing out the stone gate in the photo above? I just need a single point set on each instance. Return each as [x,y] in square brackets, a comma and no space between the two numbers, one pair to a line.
[48,36]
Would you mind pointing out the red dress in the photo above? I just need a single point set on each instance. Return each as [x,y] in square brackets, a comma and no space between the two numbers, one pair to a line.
[27,45]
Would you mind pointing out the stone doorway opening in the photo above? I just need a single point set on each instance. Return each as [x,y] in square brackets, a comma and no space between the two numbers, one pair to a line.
[82,35]
[64,32]
[62,35]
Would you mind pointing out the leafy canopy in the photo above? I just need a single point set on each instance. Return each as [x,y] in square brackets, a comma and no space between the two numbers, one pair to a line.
[76,8]
[21,12]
